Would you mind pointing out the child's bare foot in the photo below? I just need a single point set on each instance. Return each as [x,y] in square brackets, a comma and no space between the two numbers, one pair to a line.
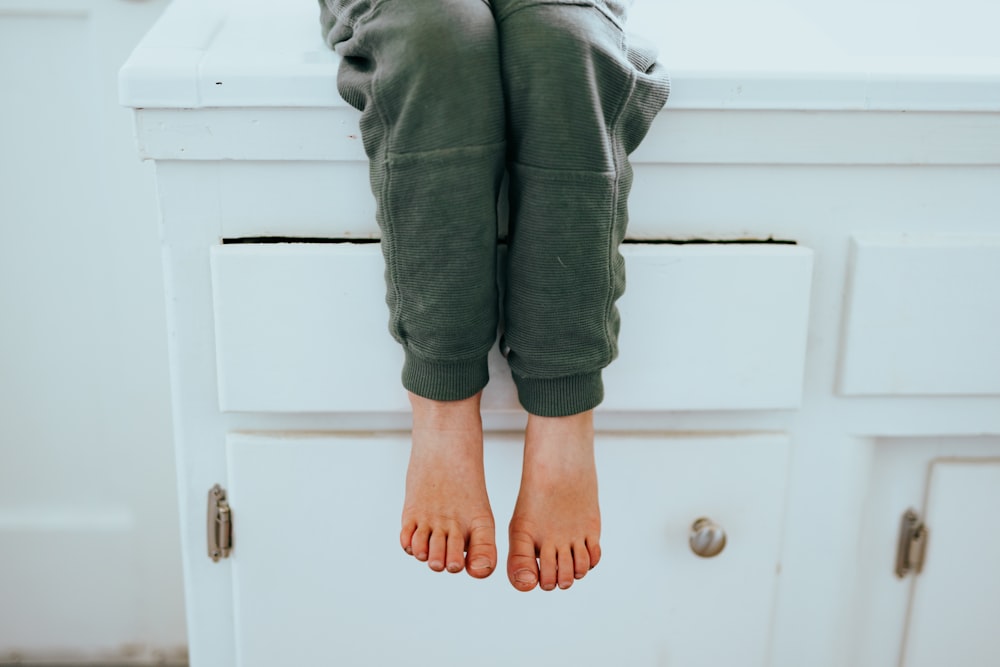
[447,520]
[556,528]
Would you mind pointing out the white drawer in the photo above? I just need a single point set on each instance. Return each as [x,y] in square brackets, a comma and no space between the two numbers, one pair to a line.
[923,315]
[303,328]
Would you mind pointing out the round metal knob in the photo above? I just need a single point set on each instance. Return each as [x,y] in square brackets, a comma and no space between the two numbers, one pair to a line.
[707,538]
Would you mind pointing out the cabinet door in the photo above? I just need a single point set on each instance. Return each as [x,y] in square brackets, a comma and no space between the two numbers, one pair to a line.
[956,598]
[945,614]
[320,579]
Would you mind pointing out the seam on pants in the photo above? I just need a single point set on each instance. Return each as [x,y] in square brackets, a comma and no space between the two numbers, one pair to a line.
[388,235]
[452,150]
[616,157]
[341,12]
[388,238]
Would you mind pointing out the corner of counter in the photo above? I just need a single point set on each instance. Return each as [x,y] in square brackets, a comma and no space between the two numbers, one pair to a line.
[163,68]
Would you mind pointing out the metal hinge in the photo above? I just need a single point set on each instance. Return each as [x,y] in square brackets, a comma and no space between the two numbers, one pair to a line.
[220,524]
[912,544]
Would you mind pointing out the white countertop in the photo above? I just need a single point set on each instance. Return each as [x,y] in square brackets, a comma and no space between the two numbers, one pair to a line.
[722,54]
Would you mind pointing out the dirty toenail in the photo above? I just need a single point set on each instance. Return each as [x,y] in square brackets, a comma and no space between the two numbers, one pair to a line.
[481,564]
[454,567]
[525,577]
[408,550]
[436,565]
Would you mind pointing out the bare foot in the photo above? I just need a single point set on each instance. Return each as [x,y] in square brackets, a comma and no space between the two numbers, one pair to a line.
[447,520]
[556,528]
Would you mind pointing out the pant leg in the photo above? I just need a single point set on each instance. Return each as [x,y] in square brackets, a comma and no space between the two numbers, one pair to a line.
[425,75]
[579,100]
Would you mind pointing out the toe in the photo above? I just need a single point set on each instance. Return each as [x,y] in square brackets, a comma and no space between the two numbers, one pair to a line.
[547,567]
[595,552]
[522,566]
[455,552]
[406,536]
[436,552]
[420,542]
[581,560]
[482,551]
[565,570]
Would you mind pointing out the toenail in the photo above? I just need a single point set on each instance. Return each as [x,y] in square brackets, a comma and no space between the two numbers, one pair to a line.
[436,565]
[408,550]
[525,577]
[564,586]
[454,567]
[481,564]
[422,556]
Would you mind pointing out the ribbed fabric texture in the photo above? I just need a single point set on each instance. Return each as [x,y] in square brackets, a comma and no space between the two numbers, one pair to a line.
[562,396]
[445,381]
[454,92]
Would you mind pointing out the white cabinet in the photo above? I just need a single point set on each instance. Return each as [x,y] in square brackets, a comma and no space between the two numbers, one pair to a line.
[318,576]
[299,329]
[803,237]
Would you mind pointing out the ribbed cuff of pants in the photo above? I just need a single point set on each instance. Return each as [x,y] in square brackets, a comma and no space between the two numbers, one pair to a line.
[444,380]
[560,397]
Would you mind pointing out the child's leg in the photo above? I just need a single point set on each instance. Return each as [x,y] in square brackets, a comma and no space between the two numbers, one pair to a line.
[425,74]
[577,105]
[578,102]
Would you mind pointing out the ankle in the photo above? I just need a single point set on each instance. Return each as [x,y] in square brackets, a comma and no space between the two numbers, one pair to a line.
[447,415]
[577,428]
[559,447]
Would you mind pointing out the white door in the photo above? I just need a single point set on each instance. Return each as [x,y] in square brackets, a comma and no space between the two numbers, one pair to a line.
[88,519]
[319,578]
[955,604]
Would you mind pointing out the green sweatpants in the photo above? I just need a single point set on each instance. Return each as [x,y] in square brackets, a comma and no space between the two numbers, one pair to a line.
[453,94]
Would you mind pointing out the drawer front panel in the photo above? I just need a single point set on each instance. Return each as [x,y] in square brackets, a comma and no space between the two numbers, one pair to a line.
[319,577]
[302,328]
[923,315]
[712,327]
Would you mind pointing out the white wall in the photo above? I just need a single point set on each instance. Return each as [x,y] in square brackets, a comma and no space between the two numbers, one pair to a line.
[89,546]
